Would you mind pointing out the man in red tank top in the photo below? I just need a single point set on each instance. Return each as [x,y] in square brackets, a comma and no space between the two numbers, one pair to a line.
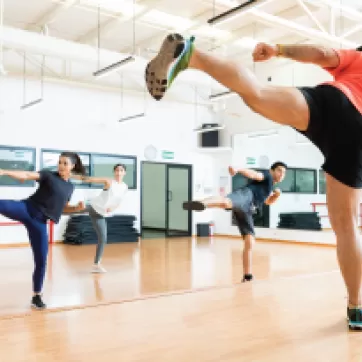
[330,115]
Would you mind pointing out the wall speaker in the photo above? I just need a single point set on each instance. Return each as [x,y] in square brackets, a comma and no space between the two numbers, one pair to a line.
[210,138]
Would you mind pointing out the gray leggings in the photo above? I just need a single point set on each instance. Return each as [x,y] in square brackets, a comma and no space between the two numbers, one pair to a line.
[100,226]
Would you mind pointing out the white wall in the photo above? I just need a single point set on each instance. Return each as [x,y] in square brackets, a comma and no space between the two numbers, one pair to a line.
[282,147]
[86,120]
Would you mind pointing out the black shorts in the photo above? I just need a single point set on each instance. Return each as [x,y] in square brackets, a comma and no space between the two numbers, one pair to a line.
[335,127]
[243,209]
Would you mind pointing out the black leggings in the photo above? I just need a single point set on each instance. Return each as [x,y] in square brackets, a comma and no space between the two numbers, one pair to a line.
[36,225]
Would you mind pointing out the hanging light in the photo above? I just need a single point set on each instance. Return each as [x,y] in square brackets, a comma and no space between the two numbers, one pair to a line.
[112,67]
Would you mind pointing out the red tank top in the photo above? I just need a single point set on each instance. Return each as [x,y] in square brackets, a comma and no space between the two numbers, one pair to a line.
[348,75]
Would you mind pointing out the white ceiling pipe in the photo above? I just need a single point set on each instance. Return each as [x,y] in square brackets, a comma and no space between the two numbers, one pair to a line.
[302,30]
[31,42]
[14,74]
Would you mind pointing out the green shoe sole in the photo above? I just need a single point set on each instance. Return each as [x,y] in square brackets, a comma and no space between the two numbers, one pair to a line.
[158,74]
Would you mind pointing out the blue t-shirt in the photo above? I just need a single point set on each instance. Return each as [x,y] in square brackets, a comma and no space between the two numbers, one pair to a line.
[52,195]
[261,189]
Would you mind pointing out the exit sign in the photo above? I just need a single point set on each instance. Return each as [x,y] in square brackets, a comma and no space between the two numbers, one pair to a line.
[168,155]
[250,161]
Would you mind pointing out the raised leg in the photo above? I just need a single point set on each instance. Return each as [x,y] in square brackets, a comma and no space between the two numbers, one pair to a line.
[219,202]
[14,210]
[284,105]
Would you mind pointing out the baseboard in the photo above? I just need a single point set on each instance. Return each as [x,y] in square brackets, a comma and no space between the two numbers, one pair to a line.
[309,243]
[22,245]
[330,229]
[269,240]
[145,228]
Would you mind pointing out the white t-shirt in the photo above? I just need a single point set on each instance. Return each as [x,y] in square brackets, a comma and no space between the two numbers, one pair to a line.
[108,200]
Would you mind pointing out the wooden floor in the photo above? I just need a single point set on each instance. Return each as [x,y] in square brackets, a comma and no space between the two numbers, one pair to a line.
[178,300]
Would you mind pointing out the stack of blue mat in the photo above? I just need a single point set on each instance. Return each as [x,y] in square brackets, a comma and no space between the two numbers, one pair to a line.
[120,228]
[300,221]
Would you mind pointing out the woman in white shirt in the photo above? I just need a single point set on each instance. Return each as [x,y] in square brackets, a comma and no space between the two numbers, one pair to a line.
[104,205]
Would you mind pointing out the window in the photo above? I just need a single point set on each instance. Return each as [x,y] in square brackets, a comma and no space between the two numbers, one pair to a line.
[300,181]
[96,164]
[322,182]
[306,181]
[102,166]
[16,158]
[49,162]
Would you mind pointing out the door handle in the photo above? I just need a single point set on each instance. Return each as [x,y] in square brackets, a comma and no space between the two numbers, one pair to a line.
[169,196]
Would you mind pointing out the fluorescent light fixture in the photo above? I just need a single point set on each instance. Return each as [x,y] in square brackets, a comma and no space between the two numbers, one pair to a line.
[113,67]
[132,117]
[208,128]
[263,134]
[237,10]
[32,103]
[231,13]
[169,20]
[222,95]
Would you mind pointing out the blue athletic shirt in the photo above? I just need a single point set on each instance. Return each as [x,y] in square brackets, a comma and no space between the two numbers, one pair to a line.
[52,195]
[261,189]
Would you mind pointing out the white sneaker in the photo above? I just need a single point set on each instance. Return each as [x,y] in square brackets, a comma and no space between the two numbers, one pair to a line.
[98,269]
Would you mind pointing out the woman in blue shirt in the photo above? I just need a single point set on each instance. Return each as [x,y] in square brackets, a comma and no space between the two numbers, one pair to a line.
[48,202]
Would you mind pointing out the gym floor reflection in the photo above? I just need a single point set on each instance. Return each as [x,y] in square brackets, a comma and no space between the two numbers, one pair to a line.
[150,267]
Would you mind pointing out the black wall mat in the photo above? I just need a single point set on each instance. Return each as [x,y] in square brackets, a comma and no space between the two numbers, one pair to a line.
[120,228]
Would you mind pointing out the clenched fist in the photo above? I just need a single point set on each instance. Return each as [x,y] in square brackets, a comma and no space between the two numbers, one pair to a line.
[264,52]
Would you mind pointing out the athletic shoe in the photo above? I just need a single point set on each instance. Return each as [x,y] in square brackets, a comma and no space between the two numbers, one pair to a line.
[159,76]
[193,206]
[354,317]
[37,303]
[247,278]
[98,269]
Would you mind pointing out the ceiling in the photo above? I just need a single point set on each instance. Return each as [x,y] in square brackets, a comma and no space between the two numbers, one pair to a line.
[79,37]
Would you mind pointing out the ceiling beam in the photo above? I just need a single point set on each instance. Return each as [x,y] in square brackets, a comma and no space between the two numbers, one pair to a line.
[352,31]
[332,21]
[197,21]
[109,26]
[304,31]
[311,16]
[81,83]
[344,10]
[50,16]
[260,35]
